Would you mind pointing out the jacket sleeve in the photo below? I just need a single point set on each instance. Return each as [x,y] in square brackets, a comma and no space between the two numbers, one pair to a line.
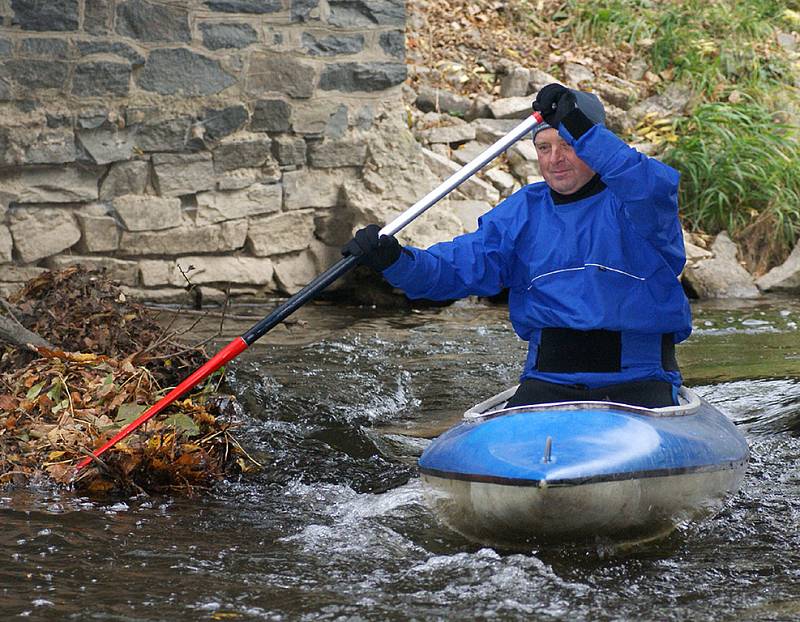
[646,188]
[472,264]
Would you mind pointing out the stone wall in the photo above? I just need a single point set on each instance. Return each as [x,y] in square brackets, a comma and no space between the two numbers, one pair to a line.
[200,139]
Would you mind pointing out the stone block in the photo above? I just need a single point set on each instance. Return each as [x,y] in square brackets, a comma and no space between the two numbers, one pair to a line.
[282,233]
[254,7]
[223,237]
[488,131]
[50,146]
[289,150]
[448,135]
[783,278]
[319,118]
[293,272]
[153,22]
[304,10]
[515,83]
[125,178]
[32,74]
[99,234]
[501,180]
[51,184]
[279,73]
[183,173]
[368,77]
[367,13]
[20,274]
[467,152]
[148,213]
[6,48]
[126,272]
[240,270]
[511,108]
[98,16]
[393,43]
[472,188]
[42,231]
[216,206]
[6,246]
[101,78]
[337,153]
[156,133]
[47,48]
[241,178]
[438,100]
[468,211]
[218,36]
[334,227]
[332,45]
[104,146]
[306,188]
[179,71]
[110,48]
[243,150]
[271,115]
[222,122]
[155,272]
[60,15]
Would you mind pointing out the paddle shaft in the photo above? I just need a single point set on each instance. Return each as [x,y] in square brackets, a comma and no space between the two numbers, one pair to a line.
[318,285]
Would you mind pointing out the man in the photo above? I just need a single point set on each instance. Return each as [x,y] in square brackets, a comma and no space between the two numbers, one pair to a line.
[591,258]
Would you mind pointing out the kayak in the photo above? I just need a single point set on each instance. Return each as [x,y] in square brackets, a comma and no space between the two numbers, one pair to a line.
[575,470]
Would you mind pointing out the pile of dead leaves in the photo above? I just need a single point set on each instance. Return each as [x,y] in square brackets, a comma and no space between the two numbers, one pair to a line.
[108,366]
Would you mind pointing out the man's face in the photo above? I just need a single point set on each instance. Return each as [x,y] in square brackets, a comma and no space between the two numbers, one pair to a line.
[563,171]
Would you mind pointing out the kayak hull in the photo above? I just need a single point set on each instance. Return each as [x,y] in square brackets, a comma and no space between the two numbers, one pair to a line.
[582,470]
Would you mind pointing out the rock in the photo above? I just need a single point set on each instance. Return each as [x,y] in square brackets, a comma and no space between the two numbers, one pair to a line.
[223,237]
[489,131]
[238,270]
[20,274]
[450,135]
[183,173]
[42,231]
[369,77]
[468,211]
[126,272]
[125,178]
[616,91]
[435,225]
[289,150]
[219,123]
[515,83]
[783,278]
[278,72]
[104,146]
[306,188]
[523,159]
[32,74]
[218,36]
[241,178]
[282,233]
[480,108]
[101,79]
[468,152]
[501,180]
[271,115]
[393,43]
[179,71]
[60,15]
[538,79]
[320,118]
[293,272]
[511,108]
[153,22]
[366,13]
[337,153]
[99,234]
[332,45]
[575,74]
[254,7]
[110,48]
[6,248]
[472,188]
[243,150]
[258,199]
[148,213]
[158,131]
[50,146]
[62,184]
[721,276]
[440,100]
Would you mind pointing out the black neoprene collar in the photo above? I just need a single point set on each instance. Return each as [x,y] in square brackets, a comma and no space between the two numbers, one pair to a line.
[594,186]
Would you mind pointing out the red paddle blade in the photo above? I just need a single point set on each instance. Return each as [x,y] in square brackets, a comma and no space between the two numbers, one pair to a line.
[229,352]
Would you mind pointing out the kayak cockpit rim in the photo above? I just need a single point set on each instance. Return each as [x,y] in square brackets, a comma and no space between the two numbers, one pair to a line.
[689,403]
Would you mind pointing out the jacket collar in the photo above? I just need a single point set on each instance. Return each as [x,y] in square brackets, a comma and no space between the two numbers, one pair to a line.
[594,186]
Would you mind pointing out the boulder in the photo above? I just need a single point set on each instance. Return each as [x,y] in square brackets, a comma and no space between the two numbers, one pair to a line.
[721,276]
[783,278]
[511,107]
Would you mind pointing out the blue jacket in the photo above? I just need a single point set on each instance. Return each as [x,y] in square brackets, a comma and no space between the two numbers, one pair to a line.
[609,261]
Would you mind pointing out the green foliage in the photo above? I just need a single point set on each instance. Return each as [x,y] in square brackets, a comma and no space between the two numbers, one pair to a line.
[737,165]
[710,45]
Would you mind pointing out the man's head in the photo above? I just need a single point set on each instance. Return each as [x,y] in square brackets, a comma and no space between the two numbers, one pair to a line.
[561,168]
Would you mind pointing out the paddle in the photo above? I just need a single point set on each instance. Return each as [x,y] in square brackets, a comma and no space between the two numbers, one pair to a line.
[315,287]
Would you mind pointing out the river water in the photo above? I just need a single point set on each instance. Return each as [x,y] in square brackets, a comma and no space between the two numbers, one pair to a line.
[335,527]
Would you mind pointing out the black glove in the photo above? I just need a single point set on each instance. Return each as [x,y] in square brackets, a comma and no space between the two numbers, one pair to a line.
[554,102]
[377,253]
